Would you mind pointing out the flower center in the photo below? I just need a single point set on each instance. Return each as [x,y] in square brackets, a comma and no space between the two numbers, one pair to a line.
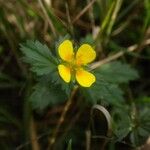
[73,65]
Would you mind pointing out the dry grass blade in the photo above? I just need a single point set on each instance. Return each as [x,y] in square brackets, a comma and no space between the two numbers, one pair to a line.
[83,11]
[119,54]
[61,120]
[107,116]
[101,111]
[33,135]
[47,17]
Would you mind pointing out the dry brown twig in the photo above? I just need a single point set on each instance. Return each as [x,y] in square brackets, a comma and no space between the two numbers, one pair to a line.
[61,120]
[33,136]
[119,54]
[47,17]
[83,11]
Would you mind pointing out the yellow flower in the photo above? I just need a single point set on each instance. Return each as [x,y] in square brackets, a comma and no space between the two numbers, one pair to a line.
[72,65]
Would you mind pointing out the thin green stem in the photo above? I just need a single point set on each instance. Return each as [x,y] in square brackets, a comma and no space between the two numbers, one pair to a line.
[114,16]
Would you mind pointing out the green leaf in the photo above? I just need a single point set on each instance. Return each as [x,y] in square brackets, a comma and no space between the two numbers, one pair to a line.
[144,118]
[122,133]
[45,95]
[103,91]
[143,132]
[88,39]
[108,77]
[56,80]
[39,57]
[134,138]
[122,125]
[116,72]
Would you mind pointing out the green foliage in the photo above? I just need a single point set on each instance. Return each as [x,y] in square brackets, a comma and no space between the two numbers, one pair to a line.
[103,91]
[141,126]
[88,39]
[135,125]
[147,14]
[67,88]
[69,145]
[45,95]
[107,90]
[39,57]
[116,72]
[50,90]
[122,125]
[110,26]
[144,119]
[108,78]
[141,129]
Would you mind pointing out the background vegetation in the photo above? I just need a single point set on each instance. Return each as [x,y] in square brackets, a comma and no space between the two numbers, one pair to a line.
[31,101]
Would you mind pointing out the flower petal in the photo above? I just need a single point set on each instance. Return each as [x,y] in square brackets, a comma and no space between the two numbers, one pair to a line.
[65,50]
[85,54]
[85,78]
[64,72]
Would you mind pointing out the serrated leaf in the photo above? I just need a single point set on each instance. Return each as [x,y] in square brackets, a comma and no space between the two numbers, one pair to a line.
[122,125]
[135,138]
[143,132]
[116,72]
[58,81]
[39,57]
[101,90]
[122,133]
[88,39]
[45,95]
[144,119]
[106,87]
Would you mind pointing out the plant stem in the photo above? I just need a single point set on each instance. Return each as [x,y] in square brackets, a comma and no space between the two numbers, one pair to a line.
[61,120]
[114,16]
[33,135]
[119,54]
[47,17]
[83,11]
